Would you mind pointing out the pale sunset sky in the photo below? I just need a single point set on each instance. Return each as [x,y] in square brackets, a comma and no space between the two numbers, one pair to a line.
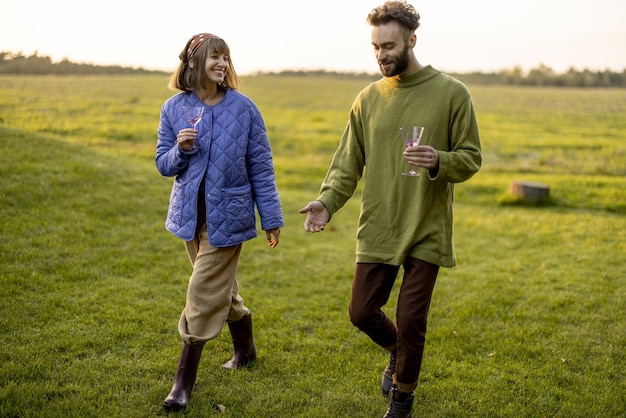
[273,35]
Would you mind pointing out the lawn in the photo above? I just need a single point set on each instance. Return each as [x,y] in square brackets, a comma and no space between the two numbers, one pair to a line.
[529,324]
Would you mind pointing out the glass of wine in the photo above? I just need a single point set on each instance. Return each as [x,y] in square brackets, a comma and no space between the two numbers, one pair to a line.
[411,136]
[193,115]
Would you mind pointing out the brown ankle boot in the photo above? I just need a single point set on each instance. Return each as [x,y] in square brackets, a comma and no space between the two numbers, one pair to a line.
[243,343]
[185,378]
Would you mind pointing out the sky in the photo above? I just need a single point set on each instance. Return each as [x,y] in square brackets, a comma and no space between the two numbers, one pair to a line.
[274,35]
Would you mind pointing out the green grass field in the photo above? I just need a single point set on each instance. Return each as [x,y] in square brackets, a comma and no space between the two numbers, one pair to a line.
[530,323]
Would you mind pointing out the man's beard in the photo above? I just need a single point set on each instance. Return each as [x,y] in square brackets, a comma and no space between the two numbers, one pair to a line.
[398,66]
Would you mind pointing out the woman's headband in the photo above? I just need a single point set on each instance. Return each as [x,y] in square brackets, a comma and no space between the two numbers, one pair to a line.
[193,45]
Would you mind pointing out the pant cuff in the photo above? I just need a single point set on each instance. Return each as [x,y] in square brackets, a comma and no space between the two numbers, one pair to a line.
[405,387]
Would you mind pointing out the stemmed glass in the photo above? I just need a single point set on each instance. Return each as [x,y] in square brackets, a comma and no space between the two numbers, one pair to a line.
[411,136]
[193,114]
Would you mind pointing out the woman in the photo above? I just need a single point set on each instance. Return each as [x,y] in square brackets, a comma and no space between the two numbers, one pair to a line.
[222,169]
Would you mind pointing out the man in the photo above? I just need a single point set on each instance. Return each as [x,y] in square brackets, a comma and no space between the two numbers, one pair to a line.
[404,221]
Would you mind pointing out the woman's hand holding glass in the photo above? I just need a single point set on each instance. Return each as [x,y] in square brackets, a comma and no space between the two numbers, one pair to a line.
[186,139]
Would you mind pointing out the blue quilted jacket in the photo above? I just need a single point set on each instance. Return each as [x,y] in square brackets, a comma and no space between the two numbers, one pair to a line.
[234,158]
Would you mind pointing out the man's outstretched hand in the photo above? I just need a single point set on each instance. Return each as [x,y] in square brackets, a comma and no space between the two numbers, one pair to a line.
[317,216]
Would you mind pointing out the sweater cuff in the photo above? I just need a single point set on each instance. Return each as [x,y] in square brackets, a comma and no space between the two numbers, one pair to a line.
[441,171]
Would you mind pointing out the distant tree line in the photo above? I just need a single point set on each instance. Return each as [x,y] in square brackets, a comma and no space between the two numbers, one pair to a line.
[11,63]
[543,75]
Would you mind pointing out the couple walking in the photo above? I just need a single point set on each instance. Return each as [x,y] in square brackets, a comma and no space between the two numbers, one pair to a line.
[224,170]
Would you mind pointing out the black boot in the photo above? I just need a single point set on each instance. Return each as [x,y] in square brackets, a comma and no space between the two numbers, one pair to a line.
[387,379]
[185,378]
[400,404]
[243,342]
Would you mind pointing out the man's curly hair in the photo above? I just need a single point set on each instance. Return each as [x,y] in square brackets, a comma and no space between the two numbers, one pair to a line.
[398,11]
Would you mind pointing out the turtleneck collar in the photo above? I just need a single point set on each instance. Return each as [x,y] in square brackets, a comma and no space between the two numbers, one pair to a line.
[409,80]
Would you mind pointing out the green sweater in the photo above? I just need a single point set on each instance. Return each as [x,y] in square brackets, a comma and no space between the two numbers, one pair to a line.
[405,216]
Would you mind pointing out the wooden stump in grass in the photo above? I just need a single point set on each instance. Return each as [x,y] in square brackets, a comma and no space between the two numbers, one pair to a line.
[530,191]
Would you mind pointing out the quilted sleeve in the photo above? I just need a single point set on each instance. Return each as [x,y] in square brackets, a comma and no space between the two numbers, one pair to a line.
[262,175]
[171,160]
